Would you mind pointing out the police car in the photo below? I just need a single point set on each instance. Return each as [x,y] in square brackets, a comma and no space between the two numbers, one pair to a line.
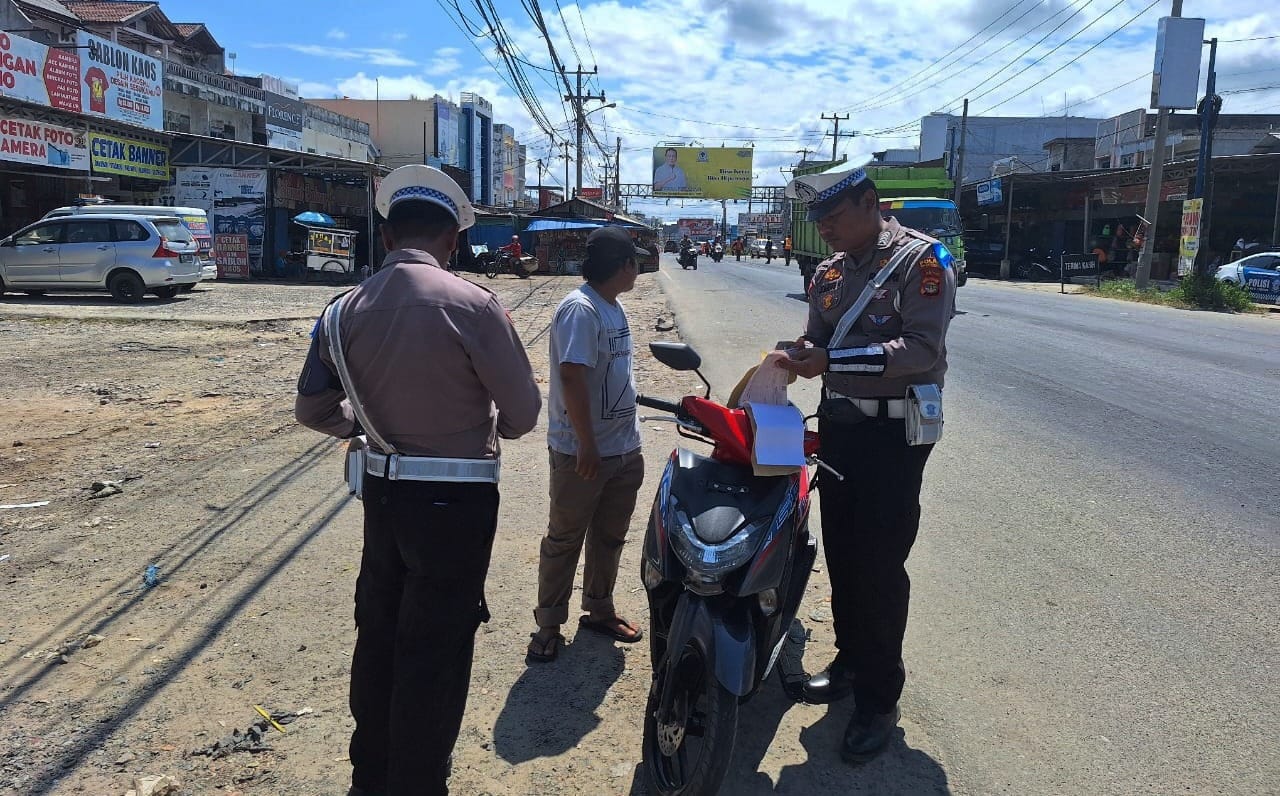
[1258,273]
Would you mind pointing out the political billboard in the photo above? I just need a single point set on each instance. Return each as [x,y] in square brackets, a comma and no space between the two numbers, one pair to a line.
[702,172]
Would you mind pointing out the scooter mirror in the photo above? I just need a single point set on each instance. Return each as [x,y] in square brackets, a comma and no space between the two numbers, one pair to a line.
[677,356]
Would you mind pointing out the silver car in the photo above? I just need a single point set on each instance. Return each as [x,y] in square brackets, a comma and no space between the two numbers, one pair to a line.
[126,254]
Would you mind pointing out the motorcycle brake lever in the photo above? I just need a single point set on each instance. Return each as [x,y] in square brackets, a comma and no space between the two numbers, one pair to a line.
[826,467]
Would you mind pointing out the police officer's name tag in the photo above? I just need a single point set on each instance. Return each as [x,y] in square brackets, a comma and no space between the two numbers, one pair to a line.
[924,414]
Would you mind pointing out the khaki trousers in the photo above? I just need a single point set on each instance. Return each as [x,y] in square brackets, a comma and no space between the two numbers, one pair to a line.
[597,512]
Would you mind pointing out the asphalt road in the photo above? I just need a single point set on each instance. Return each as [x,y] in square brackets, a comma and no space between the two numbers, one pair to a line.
[1097,579]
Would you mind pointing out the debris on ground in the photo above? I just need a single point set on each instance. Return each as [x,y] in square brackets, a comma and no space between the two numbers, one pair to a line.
[252,739]
[35,505]
[163,785]
[150,576]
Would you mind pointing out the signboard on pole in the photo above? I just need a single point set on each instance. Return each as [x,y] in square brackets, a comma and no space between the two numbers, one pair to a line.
[702,173]
[1078,265]
[1175,79]
[1189,241]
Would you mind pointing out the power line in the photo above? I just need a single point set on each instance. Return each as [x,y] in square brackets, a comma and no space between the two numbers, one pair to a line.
[1090,49]
[1254,38]
[939,62]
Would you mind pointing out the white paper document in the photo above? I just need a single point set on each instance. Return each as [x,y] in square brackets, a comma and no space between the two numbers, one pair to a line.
[768,384]
[779,438]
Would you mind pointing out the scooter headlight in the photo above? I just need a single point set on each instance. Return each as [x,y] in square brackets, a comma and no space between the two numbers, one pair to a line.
[711,561]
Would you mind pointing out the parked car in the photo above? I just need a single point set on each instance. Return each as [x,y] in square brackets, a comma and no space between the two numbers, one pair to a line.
[1258,273]
[194,219]
[671,246]
[128,255]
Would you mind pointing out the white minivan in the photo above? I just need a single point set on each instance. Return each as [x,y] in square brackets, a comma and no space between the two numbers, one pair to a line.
[193,218]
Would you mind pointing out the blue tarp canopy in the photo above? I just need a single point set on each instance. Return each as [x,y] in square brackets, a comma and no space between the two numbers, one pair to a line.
[545,224]
[315,219]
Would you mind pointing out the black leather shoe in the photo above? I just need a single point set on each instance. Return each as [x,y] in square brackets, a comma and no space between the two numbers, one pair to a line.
[867,735]
[832,684]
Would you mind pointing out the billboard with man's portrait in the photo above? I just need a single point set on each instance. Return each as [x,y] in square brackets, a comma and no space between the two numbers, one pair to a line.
[702,172]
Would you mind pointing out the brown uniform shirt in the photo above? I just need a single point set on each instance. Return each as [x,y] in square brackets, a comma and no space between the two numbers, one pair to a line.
[435,361]
[907,318]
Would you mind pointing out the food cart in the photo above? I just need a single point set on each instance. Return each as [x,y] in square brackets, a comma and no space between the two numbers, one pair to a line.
[322,249]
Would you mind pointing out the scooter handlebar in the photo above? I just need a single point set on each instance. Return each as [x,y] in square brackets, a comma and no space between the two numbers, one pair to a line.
[659,404]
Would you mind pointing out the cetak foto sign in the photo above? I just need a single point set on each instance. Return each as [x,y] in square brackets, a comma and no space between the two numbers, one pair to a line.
[25,141]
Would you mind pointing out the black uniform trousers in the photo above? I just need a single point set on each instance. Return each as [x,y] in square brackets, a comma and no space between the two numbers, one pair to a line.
[419,601]
[869,523]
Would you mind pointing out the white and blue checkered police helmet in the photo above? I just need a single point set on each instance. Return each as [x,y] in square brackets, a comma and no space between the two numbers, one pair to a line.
[424,184]
[822,191]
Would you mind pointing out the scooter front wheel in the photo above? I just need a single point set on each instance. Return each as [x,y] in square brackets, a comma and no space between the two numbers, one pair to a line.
[688,754]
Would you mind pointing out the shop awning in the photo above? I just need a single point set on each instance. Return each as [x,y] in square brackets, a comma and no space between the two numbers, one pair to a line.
[548,224]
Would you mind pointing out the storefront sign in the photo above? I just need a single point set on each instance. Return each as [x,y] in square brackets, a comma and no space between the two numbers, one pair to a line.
[285,120]
[585,193]
[240,208]
[1189,242]
[1078,265]
[990,193]
[128,158]
[231,252]
[32,72]
[120,84]
[25,141]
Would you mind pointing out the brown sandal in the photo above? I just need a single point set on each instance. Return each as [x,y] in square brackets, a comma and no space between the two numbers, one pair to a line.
[543,652]
[613,628]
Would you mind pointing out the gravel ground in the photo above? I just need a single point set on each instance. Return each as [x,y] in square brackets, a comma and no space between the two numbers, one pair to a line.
[187,406]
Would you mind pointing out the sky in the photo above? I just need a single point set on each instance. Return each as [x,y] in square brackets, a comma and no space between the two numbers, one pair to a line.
[754,73]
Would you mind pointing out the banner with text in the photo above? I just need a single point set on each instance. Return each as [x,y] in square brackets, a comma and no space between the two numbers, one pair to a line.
[25,141]
[285,119]
[128,158]
[32,72]
[120,84]
[698,228]
[1189,241]
[698,173]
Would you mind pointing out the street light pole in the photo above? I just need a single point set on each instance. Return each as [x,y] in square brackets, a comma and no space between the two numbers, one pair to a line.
[1204,174]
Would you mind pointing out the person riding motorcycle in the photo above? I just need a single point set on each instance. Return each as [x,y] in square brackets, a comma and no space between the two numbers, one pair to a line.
[513,249]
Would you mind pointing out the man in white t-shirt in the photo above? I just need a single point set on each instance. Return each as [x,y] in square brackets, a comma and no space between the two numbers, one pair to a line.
[594,440]
[668,176]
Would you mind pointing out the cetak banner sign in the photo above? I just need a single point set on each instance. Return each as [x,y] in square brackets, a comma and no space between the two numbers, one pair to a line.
[231,252]
[120,84]
[696,173]
[32,72]
[128,158]
[1189,241]
[25,141]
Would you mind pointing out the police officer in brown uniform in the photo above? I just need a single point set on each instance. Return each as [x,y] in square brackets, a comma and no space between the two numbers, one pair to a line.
[435,375]
[870,359]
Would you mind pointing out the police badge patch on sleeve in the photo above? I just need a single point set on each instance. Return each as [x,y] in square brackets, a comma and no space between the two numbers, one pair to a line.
[930,275]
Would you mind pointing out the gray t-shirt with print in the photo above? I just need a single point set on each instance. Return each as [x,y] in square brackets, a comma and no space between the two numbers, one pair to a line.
[588,330]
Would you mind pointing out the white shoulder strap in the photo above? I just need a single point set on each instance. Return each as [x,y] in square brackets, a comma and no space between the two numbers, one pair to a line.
[333,330]
[855,312]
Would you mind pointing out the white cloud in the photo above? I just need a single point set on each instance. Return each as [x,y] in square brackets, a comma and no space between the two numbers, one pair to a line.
[377,56]
[336,33]
[764,71]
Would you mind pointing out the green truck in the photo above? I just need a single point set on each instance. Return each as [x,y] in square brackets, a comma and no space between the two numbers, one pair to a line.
[912,194]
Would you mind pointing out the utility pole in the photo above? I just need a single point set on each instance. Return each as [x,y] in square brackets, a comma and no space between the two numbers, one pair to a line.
[565,144]
[617,174]
[578,98]
[1142,276]
[835,119]
[1209,108]
[959,172]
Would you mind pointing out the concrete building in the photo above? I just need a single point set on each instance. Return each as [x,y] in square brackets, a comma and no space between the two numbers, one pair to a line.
[1070,154]
[475,141]
[506,162]
[1127,140]
[1017,141]
[404,131]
